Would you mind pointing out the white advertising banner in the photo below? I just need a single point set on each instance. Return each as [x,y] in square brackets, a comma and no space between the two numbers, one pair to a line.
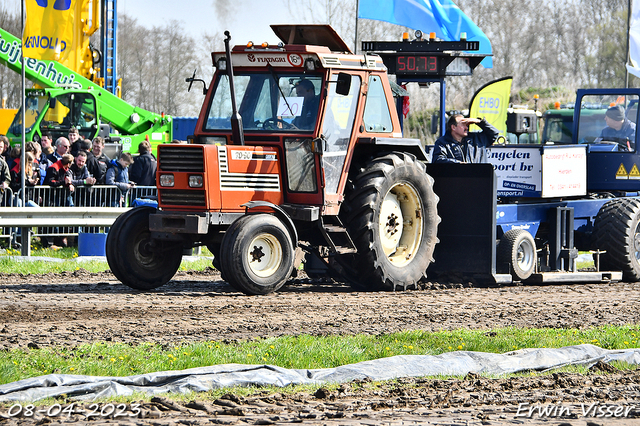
[545,171]
[518,170]
[564,171]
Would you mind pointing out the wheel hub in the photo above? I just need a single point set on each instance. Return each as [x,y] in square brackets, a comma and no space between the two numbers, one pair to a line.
[257,254]
[524,255]
[264,255]
[400,223]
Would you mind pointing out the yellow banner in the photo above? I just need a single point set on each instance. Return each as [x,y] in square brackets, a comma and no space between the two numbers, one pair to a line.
[491,102]
[48,33]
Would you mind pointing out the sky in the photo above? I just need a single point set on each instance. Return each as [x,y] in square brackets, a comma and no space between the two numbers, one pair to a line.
[247,20]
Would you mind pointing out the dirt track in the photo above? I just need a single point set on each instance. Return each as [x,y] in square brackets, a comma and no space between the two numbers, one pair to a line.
[79,307]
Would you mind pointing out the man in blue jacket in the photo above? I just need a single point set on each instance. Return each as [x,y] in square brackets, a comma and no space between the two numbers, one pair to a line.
[618,129]
[118,175]
[459,146]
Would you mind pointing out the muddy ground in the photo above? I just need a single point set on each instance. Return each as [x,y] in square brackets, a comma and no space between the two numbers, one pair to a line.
[79,307]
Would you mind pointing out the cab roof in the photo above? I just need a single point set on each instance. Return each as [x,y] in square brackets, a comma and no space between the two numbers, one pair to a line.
[309,34]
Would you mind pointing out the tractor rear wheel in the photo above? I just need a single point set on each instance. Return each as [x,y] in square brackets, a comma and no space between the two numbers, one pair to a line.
[517,253]
[257,254]
[137,260]
[390,210]
[617,232]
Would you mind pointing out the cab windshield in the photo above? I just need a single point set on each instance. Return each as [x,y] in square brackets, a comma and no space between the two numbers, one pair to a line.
[267,102]
[608,122]
[34,106]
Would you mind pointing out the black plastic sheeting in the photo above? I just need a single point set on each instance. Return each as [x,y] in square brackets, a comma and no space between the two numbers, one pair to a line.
[207,378]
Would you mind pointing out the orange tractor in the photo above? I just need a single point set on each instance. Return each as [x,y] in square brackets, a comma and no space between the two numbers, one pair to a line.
[310,160]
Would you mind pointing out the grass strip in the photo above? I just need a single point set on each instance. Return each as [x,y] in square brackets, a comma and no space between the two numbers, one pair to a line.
[304,351]
[66,259]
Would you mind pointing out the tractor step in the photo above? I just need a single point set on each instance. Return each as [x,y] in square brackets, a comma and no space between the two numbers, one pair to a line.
[337,235]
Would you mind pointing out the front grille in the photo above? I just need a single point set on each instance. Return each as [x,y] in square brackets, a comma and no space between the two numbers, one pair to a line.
[244,181]
[180,158]
[179,197]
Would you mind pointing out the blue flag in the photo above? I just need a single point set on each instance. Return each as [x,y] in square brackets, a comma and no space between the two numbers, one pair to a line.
[440,16]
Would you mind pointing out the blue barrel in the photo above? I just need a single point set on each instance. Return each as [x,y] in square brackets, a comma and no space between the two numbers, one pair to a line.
[91,244]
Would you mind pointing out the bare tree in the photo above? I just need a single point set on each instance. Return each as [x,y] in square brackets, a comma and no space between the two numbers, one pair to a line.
[10,85]
[542,44]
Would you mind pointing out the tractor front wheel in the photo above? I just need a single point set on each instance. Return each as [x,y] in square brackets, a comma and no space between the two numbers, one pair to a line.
[257,254]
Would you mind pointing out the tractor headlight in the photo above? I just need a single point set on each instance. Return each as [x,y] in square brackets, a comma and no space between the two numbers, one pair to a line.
[167,180]
[195,181]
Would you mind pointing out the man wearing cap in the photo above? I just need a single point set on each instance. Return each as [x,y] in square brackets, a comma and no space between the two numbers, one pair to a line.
[307,118]
[459,146]
[618,129]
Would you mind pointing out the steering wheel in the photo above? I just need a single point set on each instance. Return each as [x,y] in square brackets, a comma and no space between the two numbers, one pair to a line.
[275,123]
[621,142]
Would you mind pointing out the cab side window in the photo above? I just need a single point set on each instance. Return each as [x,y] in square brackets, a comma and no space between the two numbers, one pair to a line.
[377,117]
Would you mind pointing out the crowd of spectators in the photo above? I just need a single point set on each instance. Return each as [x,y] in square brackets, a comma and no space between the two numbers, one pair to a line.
[71,162]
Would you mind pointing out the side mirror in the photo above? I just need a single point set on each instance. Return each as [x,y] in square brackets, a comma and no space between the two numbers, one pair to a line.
[434,124]
[343,84]
[52,102]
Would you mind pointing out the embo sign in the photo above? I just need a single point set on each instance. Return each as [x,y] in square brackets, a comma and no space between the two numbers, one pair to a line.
[545,171]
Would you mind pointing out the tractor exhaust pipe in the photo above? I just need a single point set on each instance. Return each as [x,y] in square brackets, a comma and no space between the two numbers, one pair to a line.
[236,120]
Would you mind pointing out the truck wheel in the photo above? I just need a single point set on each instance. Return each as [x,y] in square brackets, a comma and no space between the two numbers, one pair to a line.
[140,264]
[390,210]
[257,254]
[617,231]
[517,254]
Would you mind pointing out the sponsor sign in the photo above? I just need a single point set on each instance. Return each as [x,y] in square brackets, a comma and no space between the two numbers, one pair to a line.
[564,171]
[49,28]
[539,171]
[518,170]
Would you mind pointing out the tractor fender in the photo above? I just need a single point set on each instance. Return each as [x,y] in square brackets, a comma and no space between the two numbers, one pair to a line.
[280,214]
[377,144]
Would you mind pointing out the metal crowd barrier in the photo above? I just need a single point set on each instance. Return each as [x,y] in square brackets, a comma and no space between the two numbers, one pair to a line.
[28,218]
[86,196]
[103,196]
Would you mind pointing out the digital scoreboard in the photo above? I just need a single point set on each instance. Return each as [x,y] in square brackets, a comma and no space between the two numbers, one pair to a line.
[418,64]
[429,59]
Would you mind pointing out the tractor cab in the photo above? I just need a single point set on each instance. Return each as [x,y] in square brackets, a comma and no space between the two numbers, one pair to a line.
[299,100]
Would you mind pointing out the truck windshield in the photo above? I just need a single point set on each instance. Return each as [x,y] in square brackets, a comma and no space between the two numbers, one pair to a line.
[609,122]
[35,105]
[288,105]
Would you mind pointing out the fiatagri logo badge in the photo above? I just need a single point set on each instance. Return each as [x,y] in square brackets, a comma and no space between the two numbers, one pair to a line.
[292,59]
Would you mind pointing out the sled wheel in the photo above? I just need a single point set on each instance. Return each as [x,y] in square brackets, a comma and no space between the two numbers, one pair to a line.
[517,254]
